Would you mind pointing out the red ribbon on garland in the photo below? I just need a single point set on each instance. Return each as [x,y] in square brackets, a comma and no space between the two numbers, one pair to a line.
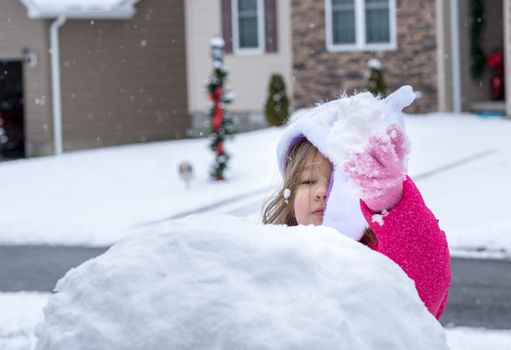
[217,114]
[220,148]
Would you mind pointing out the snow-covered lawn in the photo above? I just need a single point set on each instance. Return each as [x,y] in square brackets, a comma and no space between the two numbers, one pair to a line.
[97,197]
[468,194]
[460,162]
[22,311]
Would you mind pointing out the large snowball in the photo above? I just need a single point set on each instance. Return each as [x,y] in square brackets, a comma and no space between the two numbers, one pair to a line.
[224,283]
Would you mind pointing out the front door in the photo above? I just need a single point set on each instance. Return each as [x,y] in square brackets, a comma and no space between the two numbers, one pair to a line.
[12,131]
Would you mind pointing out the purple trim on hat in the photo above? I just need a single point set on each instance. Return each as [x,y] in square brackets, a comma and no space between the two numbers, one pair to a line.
[294,141]
[330,185]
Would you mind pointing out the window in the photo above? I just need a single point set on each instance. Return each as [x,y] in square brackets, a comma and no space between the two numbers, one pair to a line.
[256,20]
[355,25]
[248,26]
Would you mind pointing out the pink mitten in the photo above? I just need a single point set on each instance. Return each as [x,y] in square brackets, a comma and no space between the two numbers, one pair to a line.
[379,170]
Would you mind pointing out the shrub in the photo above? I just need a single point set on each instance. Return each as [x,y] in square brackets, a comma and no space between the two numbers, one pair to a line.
[277,104]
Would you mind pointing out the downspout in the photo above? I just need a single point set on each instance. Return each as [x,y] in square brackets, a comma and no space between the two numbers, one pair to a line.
[455,57]
[55,84]
[442,80]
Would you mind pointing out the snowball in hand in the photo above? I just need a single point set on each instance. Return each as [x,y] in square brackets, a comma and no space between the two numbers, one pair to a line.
[362,116]
[224,283]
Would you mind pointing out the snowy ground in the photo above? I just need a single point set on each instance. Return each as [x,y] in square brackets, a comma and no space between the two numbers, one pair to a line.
[460,162]
[22,311]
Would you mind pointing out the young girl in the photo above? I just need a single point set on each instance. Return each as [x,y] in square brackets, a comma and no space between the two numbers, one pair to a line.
[358,143]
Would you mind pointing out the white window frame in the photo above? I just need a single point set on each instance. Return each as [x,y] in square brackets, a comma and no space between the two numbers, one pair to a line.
[260,49]
[360,30]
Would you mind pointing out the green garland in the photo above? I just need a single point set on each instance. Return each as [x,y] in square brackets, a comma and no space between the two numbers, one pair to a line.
[477,23]
[217,136]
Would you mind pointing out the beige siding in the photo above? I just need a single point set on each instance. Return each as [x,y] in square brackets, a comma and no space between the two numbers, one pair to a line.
[16,32]
[124,81]
[249,75]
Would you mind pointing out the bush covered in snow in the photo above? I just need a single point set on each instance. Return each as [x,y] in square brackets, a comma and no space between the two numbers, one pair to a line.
[224,283]
[276,109]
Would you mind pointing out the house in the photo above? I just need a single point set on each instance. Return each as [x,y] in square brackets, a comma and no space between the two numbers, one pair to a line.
[335,39]
[323,48]
[257,34]
[78,75]
[458,90]
[426,44]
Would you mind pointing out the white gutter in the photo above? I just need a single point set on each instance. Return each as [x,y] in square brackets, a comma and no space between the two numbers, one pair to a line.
[117,14]
[55,84]
[455,57]
[72,9]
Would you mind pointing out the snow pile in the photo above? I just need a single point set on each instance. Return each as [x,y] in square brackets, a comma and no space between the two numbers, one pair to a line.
[362,116]
[220,282]
[20,312]
[374,63]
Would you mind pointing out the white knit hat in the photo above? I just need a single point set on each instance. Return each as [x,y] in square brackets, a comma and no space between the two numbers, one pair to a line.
[342,210]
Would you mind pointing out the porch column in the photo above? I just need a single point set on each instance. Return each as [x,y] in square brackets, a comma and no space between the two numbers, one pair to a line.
[507,54]
[444,56]
[455,56]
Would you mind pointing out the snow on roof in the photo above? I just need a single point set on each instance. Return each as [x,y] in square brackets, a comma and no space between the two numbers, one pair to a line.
[80,8]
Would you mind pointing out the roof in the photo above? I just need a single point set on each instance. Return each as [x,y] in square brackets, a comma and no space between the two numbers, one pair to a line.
[84,9]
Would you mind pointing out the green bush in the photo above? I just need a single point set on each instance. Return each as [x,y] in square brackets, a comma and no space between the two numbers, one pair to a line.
[375,82]
[277,104]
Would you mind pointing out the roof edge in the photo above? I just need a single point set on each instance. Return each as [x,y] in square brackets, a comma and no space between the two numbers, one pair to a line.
[124,10]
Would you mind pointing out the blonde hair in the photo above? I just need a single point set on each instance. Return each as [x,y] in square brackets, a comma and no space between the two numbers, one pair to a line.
[278,210]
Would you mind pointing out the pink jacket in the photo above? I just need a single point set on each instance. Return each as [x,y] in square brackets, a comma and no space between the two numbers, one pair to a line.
[411,237]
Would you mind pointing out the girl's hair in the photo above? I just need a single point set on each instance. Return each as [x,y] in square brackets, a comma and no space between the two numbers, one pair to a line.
[278,210]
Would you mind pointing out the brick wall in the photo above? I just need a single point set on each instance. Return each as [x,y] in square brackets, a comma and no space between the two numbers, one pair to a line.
[320,75]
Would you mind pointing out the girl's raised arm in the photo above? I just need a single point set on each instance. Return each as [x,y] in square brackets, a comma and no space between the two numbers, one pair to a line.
[409,235]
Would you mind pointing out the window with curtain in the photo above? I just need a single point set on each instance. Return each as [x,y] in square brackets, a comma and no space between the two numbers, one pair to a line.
[360,24]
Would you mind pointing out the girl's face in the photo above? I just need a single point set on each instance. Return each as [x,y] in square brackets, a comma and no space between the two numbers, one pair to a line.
[311,190]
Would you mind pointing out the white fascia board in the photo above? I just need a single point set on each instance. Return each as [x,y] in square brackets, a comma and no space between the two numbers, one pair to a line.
[82,14]
[124,9]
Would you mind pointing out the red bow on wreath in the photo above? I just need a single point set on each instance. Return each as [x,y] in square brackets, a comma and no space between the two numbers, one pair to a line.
[495,61]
